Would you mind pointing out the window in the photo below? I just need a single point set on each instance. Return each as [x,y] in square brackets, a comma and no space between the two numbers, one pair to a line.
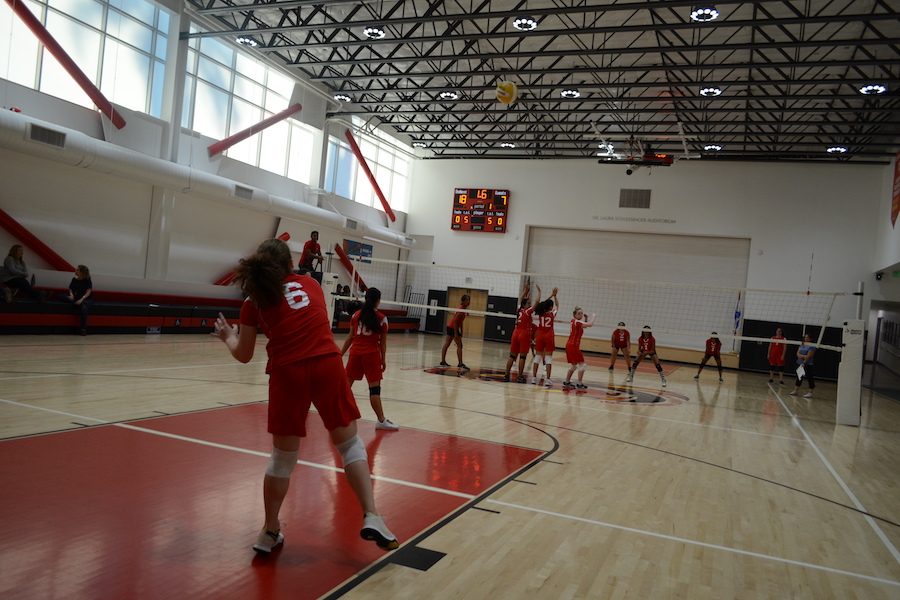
[121,46]
[388,160]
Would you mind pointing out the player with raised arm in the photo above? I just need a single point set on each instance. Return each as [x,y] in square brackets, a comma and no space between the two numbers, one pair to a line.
[573,348]
[544,339]
[304,368]
[713,350]
[646,347]
[620,341]
[454,333]
[521,337]
[367,343]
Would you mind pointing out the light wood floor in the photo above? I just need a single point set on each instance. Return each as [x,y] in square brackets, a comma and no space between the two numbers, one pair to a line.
[723,496]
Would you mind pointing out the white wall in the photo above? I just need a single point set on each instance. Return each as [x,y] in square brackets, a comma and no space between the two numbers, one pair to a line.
[887,251]
[788,211]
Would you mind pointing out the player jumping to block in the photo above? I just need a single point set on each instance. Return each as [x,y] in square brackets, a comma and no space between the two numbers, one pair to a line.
[646,347]
[304,368]
[454,333]
[620,342]
[521,337]
[545,339]
[573,348]
[367,343]
[713,350]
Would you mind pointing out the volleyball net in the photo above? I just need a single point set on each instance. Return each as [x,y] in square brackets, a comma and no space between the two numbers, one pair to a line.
[680,315]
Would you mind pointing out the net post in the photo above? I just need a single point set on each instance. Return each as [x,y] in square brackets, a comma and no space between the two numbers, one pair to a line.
[848,409]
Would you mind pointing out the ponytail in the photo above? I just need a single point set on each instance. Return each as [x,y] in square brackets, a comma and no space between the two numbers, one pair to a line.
[367,314]
[261,275]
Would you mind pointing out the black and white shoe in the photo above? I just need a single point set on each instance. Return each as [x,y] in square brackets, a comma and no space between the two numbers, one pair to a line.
[267,541]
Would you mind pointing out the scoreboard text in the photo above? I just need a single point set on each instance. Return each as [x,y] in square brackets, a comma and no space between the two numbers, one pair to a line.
[479,209]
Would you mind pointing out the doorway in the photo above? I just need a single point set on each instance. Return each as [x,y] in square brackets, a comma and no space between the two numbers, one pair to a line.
[473,326]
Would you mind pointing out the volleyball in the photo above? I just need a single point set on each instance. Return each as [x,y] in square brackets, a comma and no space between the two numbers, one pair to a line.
[507,92]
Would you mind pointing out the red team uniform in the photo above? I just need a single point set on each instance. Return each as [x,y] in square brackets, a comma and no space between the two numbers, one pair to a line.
[713,347]
[365,351]
[621,339]
[776,352]
[310,250]
[573,344]
[647,345]
[521,337]
[304,364]
[544,340]
[456,322]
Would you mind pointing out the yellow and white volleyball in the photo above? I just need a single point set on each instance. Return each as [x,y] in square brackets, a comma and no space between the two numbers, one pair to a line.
[507,92]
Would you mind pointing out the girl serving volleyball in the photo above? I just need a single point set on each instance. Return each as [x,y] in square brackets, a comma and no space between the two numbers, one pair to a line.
[304,368]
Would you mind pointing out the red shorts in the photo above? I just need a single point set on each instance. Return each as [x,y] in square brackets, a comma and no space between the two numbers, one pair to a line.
[321,381]
[521,341]
[545,341]
[776,361]
[574,355]
[621,346]
[368,364]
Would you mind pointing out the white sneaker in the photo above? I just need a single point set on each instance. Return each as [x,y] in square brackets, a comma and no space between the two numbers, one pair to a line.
[534,381]
[387,425]
[548,383]
[375,530]
[721,380]
[807,395]
[267,541]
[629,379]
[663,379]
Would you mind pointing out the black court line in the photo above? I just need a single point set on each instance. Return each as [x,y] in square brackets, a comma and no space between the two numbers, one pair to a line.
[496,512]
[162,413]
[375,568]
[416,557]
[79,424]
[528,482]
[553,462]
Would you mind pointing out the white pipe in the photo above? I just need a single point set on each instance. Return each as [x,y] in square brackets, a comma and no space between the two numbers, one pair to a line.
[83,151]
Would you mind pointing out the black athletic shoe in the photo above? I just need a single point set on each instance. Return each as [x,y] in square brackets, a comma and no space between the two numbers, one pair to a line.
[521,379]
[462,366]
[505,379]
[580,386]
[444,363]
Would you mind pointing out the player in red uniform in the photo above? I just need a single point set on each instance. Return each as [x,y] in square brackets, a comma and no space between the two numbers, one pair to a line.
[545,338]
[367,343]
[311,252]
[646,347]
[776,354]
[573,348]
[521,337]
[304,368]
[713,350]
[454,333]
[620,342]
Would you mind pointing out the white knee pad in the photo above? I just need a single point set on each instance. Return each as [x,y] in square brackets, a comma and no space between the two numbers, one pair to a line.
[352,450]
[548,360]
[581,367]
[281,463]
[537,359]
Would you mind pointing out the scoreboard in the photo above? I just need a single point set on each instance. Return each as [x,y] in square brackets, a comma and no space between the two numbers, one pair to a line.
[479,209]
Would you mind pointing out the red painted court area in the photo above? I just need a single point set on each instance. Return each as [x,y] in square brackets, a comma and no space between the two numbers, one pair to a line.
[113,512]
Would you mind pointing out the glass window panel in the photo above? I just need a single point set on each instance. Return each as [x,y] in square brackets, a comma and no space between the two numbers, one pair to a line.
[214,73]
[273,151]
[210,111]
[274,102]
[343,181]
[300,157]
[330,166]
[220,51]
[364,193]
[194,42]
[162,47]
[156,92]
[188,102]
[386,156]
[247,89]
[162,23]
[245,151]
[281,84]
[191,65]
[139,9]
[88,11]
[22,69]
[83,45]
[401,165]
[129,31]
[398,198]
[126,73]
[250,68]
[369,149]
[243,115]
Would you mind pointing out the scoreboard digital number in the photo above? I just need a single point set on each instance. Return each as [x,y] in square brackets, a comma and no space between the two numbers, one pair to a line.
[479,209]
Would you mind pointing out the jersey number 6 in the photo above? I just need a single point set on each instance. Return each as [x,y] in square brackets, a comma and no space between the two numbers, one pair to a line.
[295,296]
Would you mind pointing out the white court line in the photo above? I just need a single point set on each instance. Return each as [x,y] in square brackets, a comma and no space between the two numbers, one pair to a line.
[691,542]
[117,371]
[878,532]
[470,497]
[611,412]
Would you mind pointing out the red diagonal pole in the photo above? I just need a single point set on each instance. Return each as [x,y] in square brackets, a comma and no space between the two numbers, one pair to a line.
[368,172]
[50,43]
[345,260]
[30,241]
[240,136]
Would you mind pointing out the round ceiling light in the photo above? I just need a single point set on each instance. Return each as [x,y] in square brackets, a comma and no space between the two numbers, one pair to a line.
[704,14]
[712,148]
[570,93]
[872,89]
[525,23]
[837,150]
[374,33]
[507,145]
[449,95]
[710,91]
[247,41]
[342,97]
[419,145]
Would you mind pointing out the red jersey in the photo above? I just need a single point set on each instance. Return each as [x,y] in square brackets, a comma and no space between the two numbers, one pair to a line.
[310,249]
[776,350]
[545,321]
[456,321]
[297,327]
[713,346]
[575,334]
[523,320]
[621,338]
[365,340]
[647,345]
